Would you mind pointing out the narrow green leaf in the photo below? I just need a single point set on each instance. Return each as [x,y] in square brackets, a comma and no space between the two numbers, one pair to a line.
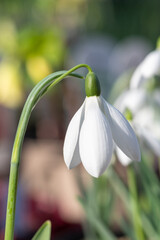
[96,223]
[44,232]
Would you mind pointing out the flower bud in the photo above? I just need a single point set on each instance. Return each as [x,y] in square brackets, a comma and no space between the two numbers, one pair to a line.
[92,85]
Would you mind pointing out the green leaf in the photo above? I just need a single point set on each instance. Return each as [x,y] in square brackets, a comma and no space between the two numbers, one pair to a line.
[44,232]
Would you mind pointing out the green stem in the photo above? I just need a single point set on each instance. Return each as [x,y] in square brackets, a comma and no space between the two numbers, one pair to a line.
[136,218]
[38,91]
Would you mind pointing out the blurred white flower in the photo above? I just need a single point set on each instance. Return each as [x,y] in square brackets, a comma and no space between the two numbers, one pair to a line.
[144,119]
[133,100]
[91,133]
[147,126]
[149,68]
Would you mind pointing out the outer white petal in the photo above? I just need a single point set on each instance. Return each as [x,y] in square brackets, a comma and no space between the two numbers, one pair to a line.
[124,160]
[147,69]
[150,140]
[137,78]
[148,118]
[147,126]
[133,99]
[151,64]
[71,142]
[122,132]
[95,143]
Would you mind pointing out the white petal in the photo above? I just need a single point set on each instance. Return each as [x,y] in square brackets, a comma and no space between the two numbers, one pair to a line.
[147,126]
[150,140]
[122,132]
[95,143]
[124,160]
[71,142]
[147,69]
[137,78]
[149,119]
[132,99]
[151,64]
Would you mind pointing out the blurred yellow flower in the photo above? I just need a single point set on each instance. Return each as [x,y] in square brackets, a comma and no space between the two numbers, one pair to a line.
[11,94]
[37,68]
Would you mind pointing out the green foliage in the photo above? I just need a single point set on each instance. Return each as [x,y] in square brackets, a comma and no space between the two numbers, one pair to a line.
[125,18]
[44,232]
[140,198]
[97,202]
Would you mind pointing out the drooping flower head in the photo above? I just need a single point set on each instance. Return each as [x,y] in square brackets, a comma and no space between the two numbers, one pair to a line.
[93,131]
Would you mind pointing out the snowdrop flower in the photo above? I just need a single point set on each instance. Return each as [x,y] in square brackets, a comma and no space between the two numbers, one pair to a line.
[143,118]
[133,99]
[150,67]
[93,130]
[147,123]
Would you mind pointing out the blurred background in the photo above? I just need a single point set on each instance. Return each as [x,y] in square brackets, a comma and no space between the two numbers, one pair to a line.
[38,38]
